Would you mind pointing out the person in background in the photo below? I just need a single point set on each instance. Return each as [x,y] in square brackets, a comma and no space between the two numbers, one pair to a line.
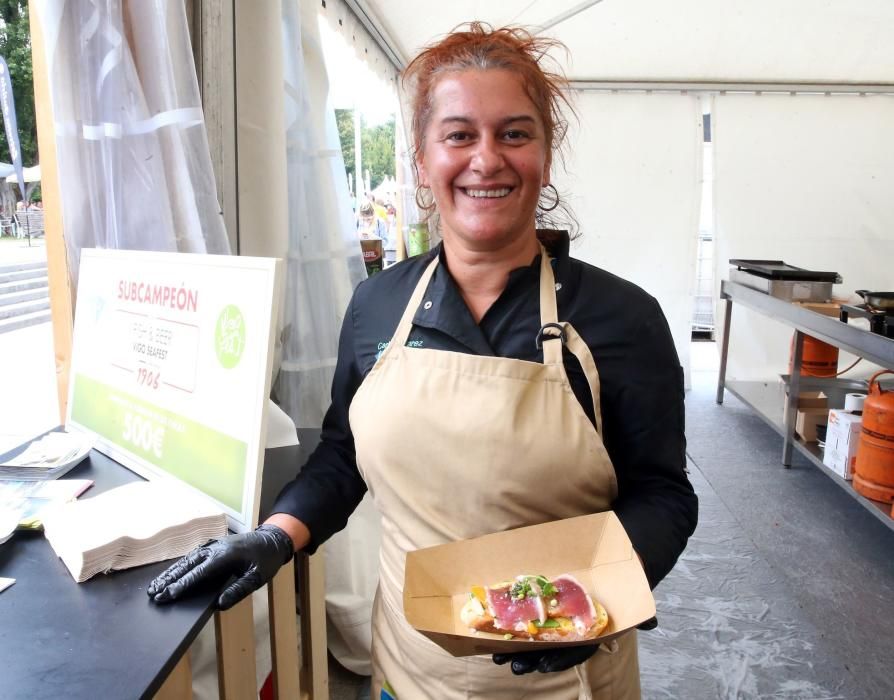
[368,224]
[380,209]
[492,383]
[390,234]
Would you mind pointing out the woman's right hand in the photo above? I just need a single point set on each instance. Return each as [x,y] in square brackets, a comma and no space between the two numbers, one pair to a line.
[252,557]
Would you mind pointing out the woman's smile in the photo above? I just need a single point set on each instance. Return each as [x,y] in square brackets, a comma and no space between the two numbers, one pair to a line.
[482,193]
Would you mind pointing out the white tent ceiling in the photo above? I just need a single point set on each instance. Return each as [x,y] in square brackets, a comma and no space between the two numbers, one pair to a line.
[802,41]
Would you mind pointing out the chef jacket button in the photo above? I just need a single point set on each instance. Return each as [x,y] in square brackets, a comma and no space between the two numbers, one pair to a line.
[558,286]
[426,305]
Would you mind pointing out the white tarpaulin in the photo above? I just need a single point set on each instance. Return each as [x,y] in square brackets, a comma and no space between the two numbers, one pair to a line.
[759,40]
[31,174]
[634,183]
[807,179]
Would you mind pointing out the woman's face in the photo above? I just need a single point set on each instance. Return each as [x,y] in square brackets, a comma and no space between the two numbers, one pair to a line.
[484,158]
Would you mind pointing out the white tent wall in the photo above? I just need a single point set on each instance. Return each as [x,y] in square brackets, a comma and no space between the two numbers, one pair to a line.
[807,179]
[633,180]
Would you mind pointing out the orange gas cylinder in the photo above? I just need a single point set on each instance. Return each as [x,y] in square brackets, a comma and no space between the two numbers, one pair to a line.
[818,359]
[874,469]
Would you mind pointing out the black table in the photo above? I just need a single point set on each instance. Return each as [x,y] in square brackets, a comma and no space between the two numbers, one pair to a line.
[102,638]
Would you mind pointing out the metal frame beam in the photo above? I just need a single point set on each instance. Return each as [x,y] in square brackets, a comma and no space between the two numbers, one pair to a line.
[734,86]
[380,35]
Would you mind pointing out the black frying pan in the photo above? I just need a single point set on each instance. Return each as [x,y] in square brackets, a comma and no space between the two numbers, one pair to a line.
[883,301]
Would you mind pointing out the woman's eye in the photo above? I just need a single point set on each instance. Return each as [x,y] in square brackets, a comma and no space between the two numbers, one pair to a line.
[458,136]
[515,135]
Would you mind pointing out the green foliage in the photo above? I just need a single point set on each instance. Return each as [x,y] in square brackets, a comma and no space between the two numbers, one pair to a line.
[376,142]
[378,151]
[344,119]
[15,47]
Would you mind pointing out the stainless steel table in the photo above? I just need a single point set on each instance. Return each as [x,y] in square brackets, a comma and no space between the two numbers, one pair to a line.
[767,399]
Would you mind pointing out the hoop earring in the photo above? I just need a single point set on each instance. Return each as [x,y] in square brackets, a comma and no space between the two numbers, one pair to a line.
[418,197]
[555,199]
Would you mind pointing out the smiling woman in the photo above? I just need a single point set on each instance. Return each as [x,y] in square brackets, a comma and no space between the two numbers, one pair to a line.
[472,370]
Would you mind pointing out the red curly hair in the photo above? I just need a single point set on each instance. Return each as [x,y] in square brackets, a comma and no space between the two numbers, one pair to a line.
[481,47]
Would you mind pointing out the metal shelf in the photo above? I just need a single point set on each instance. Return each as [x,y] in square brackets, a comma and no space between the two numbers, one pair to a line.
[871,346]
[766,399]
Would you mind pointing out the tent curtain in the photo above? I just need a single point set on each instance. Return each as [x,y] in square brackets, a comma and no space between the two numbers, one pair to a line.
[806,179]
[132,150]
[324,261]
[633,181]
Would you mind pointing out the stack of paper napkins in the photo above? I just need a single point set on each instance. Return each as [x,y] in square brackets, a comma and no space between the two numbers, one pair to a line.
[132,525]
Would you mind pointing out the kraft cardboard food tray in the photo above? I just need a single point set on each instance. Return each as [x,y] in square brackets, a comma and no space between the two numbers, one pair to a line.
[593,548]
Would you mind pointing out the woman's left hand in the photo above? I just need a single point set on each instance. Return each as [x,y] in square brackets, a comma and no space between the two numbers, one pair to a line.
[546,660]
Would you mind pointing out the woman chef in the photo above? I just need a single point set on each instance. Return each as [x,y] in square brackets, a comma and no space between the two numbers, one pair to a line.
[466,396]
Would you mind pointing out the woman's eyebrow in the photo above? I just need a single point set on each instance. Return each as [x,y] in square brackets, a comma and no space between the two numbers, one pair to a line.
[503,122]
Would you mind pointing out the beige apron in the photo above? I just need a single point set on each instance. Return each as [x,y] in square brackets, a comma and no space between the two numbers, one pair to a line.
[453,446]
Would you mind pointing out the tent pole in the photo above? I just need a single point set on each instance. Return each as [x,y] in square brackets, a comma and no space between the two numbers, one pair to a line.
[61,308]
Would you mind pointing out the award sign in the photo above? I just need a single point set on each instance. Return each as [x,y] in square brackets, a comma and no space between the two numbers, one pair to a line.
[171,367]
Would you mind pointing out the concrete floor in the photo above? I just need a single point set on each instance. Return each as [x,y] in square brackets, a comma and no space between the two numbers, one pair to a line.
[784,551]
[787,587]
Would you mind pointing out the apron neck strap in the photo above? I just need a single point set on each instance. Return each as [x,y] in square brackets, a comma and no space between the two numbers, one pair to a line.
[550,329]
[554,335]
[581,351]
[548,311]
[406,321]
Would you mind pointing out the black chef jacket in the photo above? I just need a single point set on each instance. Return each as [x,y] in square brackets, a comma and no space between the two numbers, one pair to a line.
[641,387]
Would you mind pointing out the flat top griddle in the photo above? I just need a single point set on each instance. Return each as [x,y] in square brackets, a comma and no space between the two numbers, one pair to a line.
[780,270]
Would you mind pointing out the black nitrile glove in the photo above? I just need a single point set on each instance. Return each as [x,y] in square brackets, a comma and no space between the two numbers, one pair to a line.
[546,660]
[649,624]
[252,557]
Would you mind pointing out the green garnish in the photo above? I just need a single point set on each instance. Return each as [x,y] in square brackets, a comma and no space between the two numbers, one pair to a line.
[522,588]
[546,586]
[548,624]
[507,636]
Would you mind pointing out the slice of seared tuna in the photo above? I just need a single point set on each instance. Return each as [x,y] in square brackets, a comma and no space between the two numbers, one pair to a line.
[571,600]
[513,613]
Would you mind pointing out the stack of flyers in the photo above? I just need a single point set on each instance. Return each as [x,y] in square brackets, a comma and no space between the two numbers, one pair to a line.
[48,457]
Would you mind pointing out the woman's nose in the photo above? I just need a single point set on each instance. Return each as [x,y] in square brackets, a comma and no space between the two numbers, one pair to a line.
[487,158]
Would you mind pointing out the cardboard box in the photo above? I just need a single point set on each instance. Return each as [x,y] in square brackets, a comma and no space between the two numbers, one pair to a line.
[807,420]
[593,548]
[826,308]
[812,399]
[813,410]
[842,440]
